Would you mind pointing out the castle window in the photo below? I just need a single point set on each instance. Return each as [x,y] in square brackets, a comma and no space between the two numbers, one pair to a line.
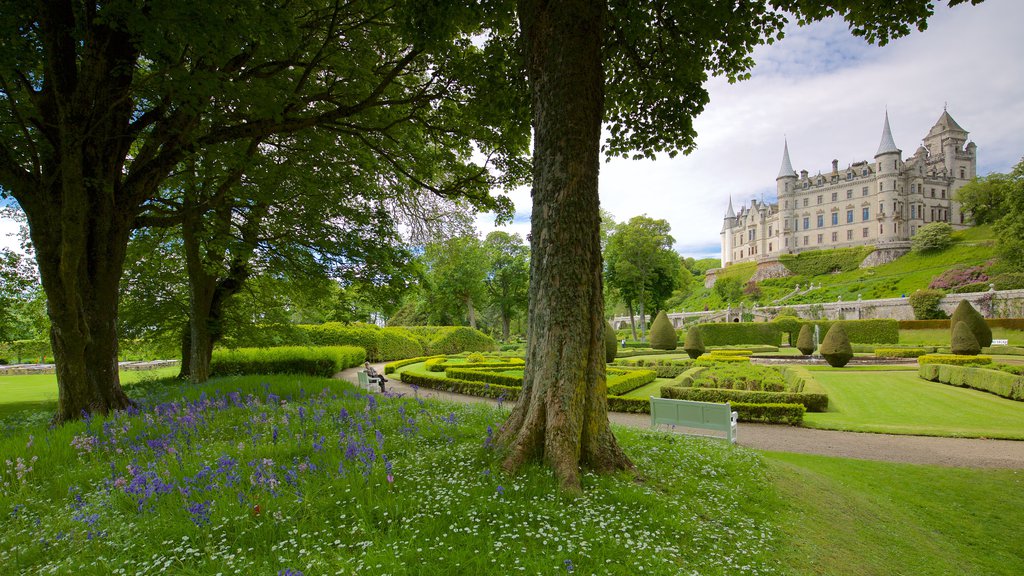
[807,223]
[894,228]
[750,235]
[864,172]
[819,198]
[961,173]
[849,216]
[805,185]
[835,236]
[849,194]
[820,236]
[864,191]
[785,242]
[787,187]
[865,214]
[913,211]
[787,204]
[933,192]
[849,234]
[913,230]
[821,220]
[769,246]
[865,232]
[769,230]
[881,228]
[894,164]
[943,191]
[807,240]
[820,181]
[806,201]
[933,214]
[881,208]
[849,175]
[835,196]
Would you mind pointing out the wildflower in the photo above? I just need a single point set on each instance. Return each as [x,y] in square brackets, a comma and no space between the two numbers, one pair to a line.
[500,490]
[569,566]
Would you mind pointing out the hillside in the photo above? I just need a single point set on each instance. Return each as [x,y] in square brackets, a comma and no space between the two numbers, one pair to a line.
[971,247]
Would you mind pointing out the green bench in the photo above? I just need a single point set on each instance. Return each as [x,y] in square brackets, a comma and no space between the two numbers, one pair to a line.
[690,414]
[364,380]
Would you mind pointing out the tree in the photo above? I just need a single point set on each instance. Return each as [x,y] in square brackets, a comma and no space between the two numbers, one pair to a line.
[835,346]
[805,340]
[663,335]
[963,341]
[611,347]
[508,276]
[454,285]
[1010,227]
[984,198]
[641,265]
[934,237]
[651,61]
[103,101]
[694,343]
[20,298]
[966,314]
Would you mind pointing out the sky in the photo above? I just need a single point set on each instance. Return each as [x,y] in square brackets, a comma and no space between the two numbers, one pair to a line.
[826,93]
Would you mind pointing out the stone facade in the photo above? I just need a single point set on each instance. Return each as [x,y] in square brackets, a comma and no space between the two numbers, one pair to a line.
[880,203]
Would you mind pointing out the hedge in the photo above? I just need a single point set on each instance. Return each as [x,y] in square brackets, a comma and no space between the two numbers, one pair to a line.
[644,352]
[477,375]
[900,352]
[740,333]
[1004,350]
[1000,383]
[620,384]
[391,367]
[758,349]
[954,359]
[812,402]
[875,331]
[323,361]
[711,360]
[820,262]
[510,393]
[441,364]
[26,351]
[792,414]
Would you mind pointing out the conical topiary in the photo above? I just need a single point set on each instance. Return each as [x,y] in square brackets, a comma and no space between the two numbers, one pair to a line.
[975,321]
[663,335]
[805,341]
[835,347]
[611,347]
[963,341]
[694,344]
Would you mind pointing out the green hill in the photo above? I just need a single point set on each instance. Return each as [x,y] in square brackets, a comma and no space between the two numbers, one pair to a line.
[903,276]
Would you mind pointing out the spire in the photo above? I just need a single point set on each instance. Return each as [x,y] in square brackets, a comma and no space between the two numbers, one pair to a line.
[787,167]
[946,122]
[729,213]
[887,144]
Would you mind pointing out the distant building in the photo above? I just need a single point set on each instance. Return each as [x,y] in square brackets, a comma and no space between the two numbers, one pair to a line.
[880,203]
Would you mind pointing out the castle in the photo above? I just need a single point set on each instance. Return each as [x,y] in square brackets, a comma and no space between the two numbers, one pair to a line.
[880,203]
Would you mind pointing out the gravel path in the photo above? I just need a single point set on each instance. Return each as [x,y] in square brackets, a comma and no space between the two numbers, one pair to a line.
[958,452]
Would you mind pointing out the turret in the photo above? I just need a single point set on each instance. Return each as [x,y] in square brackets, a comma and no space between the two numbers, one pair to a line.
[785,182]
[887,160]
[728,223]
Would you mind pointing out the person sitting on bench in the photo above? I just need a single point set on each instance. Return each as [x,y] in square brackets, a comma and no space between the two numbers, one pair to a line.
[373,375]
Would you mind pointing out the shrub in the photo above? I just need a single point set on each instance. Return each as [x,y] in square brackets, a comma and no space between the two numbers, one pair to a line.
[975,323]
[805,342]
[812,402]
[1000,383]
[818,262]
[932,237]
[485,375]
[623,381]
[632,405]
[926,304]
[325,361]
[467,387]
[694,344]
[738,333]
[960,277]
[611,346]
[742,377]
[663,335]
[954,360]
[380,344]
[835,347]
[899,352]
[939,324]
[712,360]
[1009,281]
[792,414]
[876,331]
[391,367]
[475,358]
[455,339]
[963,341]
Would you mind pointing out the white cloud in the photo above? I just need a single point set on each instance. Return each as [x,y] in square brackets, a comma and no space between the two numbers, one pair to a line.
[827,91]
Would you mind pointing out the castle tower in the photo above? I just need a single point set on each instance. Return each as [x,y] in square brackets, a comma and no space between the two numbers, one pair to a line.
[785,187]
[888,161]
[727,225]
[959,163]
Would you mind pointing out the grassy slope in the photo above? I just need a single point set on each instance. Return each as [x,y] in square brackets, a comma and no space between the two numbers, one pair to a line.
[859,518]
[899,402]
[903,276]
[39,391]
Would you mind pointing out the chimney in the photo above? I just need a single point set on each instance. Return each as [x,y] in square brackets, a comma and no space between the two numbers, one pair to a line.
[835,166]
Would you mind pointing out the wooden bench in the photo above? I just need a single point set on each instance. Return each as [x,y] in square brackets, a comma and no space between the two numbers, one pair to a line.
[690,414]
[364,379]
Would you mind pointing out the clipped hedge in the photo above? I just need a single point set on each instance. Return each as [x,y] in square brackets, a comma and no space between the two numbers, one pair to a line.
[1008,323]
[381,344]
[900,352]
[733,333]
[391,367]
[993,381]
[623,381]
[711,360]
[486,375]
[1004,350]
[325,361]
[874,331]
[812,402]
[819,262]
[954,359]
[444,363]
[792,414]
[486,390]
[644,352]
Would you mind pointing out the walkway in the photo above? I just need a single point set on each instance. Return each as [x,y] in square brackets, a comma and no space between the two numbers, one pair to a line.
[961,452]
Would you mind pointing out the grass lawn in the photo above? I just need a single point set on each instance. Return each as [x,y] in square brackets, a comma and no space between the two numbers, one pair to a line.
[859,518]
[39,391]
[898,402]
[940,336]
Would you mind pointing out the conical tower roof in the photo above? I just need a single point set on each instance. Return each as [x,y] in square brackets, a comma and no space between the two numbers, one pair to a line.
[945,123]
[729,213]
[787,167]
[887,144]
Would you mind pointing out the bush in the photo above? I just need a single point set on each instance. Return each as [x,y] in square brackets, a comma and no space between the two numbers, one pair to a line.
[899,352]
[380,344]
[738,333]
[484,375]
[835,347]
[28,351]
[325,361]
[963,341]
[611,346]
[391,367]
[805,342]
[624,381]
[475,358]
[812,402]
[962,277]
[1009,281]
[818,262]
[1000,383]
[925,304]
[713,359]
[742,377]
[483,389]
[932,237]
[954,360]
[792,414]
[694,344]
[663,336]
[455,339]
[975,323]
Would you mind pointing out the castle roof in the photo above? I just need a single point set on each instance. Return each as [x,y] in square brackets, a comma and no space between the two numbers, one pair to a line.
[944,123]
[729,213]
[787,166]
[887,144]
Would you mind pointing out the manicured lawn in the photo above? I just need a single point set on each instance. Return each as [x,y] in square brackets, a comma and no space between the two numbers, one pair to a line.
[648,390]
[898,402]
[940,337]
[853,517]
[39,391]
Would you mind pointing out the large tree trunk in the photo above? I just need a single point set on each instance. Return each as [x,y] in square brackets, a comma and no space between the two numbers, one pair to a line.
[632,318]
[186,352]
[472,312]
[506,323]
[561,417]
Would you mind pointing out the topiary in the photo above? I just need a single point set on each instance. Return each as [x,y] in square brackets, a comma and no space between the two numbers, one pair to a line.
[475,358]
[975,322]
[611,346]
[694,344]
[805,342]
[963,341]
[663,335]
[835,347]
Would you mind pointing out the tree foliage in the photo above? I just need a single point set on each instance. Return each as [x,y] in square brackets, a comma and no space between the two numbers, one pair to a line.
[663,335]
[694,343]
[454,284]
[933,237]
[805,341]
[640,264]
[507,277]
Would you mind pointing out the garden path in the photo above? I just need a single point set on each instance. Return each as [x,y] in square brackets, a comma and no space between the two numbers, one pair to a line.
[957,452]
